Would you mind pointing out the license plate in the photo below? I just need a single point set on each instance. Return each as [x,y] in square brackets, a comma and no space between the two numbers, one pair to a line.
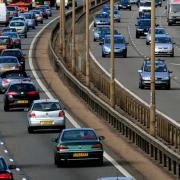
[47,122]
[23,101]
[2,47]
[7,68]
[80,154]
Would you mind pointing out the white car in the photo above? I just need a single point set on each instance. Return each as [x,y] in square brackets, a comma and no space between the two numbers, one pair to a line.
[58,4]
[144,6]
[46,114]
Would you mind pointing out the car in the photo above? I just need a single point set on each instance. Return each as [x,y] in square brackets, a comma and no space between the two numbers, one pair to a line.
[13,11]
[133,1]
[6,42]
[20,26]
[30,20]
[46,114]
[20,95]
[158,30]
[7,29]
[162,74]
[8,63]
[105,32]
[97,30]
[78,144]
[12,76]
[48,9]
[43,10]
[158,3]
[105,8]
[164,45]
[38,15]
[5,170]
[144,15]
[20,18]
[15,53]
[144,6]
[15,38]
[117,16]
[120,46]
[124,4]
[115,178]
[142,27]
[101,19]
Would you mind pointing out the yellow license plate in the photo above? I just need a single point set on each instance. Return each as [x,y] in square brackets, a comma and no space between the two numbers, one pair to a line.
[23,101]
[2,47]
[47,122]
[80,154]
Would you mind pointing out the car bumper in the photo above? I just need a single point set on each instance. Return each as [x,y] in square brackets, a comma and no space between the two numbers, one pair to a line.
[158,83]
[142,33]
[116,53]
[163,52]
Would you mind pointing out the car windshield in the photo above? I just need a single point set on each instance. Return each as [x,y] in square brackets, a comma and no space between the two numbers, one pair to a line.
[117,40]
[159,67]
[13,35]
[144,23]
[17,24]
[4,41]
[22,87]
[15,75]
[46,106]
[11,53]
[162,40]
[3,165]
[158,31]
[99,29]
[75,135]
[8,60]
[98,16]
[175,8]
[27,16]
[116,12]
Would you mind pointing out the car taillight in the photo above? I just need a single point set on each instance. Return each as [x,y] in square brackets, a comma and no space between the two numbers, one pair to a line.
[62,147]
[61,113]
[33,92]
[18,67]
[5,82]
[32,114]
[97,146]
[18,40]
[5,176]
[12,93]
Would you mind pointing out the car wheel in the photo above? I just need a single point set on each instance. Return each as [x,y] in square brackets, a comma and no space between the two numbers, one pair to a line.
[36,23]
[137,35]
[94,40]
[141,86]
[41,22]
[130,8]
[172,55]
[147,43]
[25,35]
[30,130]
[34,27]
[6,107]
[47,17]
[125,55]
[57,7]
[168,87]
[100,162]
[169,23]
[103,55]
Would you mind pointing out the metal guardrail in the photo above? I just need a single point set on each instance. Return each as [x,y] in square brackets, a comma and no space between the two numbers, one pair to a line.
[136,129]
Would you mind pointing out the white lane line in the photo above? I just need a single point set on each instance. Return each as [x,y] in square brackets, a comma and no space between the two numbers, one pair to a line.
[70,118]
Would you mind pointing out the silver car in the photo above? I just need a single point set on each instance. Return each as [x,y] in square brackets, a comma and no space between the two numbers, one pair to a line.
[20,26]
[46,114]
[158,30]
[164,45]
[30,20]
[97,31]
[8,63]
[101,19]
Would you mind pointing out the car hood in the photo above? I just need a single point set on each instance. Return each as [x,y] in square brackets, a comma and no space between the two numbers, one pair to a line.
[163,45]
[157,74]
[116,46]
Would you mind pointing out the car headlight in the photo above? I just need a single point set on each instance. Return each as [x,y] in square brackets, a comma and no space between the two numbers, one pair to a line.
[146,78]
[107,49]
[165,78]
[140,29]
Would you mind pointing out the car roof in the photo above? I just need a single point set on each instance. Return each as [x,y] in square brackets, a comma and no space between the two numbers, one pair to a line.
[115,35]
[22,82]
[4,36]
[77,129]
[7,57]
[15,49]
[45,100]
[162,35]
[116,178]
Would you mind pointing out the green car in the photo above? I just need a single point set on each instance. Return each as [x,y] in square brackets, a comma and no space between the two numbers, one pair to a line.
[15,37]
[78,144]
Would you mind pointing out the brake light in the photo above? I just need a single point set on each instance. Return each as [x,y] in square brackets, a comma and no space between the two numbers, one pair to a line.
[32,114]
[12,93]
[18,67]
[5,82]
[5,176]
[61,113]
[97,146]
[33,92]
[14,12]
[61,147]
[18,40]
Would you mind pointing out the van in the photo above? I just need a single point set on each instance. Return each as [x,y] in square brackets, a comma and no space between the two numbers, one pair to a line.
[58,2]
[4,15]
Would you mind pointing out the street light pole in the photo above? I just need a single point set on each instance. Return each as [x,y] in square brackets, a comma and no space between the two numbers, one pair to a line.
[112,81]
[73,39]
[60,24]
[87,45]
[153,97]
[63,30]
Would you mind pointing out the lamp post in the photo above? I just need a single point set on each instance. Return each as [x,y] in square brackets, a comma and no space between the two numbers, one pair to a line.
[73,39]
[87,44]
[152,93]
[112,81]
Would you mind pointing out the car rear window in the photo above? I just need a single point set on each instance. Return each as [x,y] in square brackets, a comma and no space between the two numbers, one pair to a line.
[27,16]
[11,53]
[46,106]
[22,87]
[13,35]
[4,40]
[17,23]
[73,135]
[8,60]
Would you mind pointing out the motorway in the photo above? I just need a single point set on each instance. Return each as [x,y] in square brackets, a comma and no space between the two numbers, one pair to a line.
[126,69]
[33,153]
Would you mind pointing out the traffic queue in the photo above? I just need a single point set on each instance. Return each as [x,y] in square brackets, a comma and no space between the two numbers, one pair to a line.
[164,45]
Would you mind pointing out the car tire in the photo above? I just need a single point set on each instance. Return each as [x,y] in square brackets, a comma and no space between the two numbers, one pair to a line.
[41,22]
[125,55]
[6,107]
[169,23]
[130,8]
[100,162]
[94,40]
[141,86]
[25,35]
[172,55]
[137,35]
[47,17]
[36,23]
[30,130]
[103,55]
[147,43]
[34,27]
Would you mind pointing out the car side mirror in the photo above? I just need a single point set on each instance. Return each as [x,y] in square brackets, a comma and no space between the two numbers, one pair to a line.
[12,166]
[101,138]
[140,71]
[54,140]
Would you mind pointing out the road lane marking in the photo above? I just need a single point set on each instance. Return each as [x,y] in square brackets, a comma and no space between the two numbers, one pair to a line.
[46,91]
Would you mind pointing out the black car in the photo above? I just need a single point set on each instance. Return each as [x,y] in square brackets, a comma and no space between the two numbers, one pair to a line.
[142,27]
[124,4]
[17,53]
[20,95]
[5,172]
[43,10]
